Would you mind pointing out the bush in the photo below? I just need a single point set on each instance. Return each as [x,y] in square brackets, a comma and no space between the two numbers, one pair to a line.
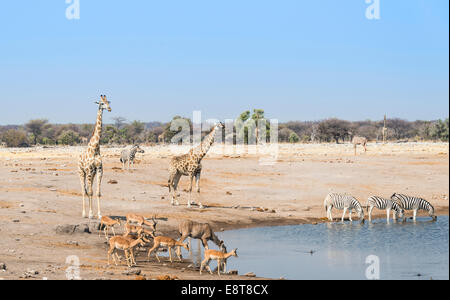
[69,137]
[293,138]
[15,138]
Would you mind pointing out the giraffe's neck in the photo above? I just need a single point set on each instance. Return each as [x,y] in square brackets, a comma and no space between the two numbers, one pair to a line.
[95,139]
[205,145]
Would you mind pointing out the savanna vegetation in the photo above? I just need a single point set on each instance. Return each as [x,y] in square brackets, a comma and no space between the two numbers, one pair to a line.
[249,127]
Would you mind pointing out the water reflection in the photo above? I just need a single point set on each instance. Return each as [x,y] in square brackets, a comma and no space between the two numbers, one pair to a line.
[339,250]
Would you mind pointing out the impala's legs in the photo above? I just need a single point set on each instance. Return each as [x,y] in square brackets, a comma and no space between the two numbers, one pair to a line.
[218,266]
[170,254]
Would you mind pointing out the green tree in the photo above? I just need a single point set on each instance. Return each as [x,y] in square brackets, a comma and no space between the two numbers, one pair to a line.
[293,138]
[440,130]
[69,137]
[36,127]
[15,138]
[333,129]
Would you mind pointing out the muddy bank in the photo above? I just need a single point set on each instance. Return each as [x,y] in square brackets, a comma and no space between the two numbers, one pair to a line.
[40,190]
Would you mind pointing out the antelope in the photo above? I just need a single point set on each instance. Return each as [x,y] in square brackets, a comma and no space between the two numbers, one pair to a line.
[166,242]
[359,140]
[125,244]
[139,230]
[132,238]
[107,222]
[140,220]
[200,231]
[221,258]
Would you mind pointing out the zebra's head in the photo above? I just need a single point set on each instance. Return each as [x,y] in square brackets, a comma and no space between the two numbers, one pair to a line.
[138,149]
[360,211]
[400,212]
[431,213]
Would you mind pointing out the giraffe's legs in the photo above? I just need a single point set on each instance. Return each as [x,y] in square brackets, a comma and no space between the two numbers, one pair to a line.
[82,175]
[191,178]
[176,180]
[90,182]
[99,193]
[197,178]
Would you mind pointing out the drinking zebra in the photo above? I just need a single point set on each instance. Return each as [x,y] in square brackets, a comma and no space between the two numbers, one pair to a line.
[128,155]
[387,204]
[343,202]
[415,204]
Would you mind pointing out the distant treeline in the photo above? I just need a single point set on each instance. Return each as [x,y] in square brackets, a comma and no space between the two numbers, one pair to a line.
[41,132]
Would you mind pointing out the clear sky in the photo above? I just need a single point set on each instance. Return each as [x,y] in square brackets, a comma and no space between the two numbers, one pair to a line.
[297,59]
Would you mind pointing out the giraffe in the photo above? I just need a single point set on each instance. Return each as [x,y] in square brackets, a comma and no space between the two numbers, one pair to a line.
[162,138]
[190,165]
[90,162]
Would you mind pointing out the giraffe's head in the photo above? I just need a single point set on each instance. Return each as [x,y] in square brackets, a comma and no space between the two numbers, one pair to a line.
[103,103]
[219,125]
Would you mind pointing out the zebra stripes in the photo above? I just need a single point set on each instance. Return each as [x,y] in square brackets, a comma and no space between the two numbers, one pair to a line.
[387,204]
[415,204]
[128,155]
[343,202]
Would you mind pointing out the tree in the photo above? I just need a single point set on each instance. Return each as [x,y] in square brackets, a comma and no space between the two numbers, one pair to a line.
[15,138]
[440,130]
[119,122]
[69,137]
[334,129]
[36,127]
[134,131]
[293,138]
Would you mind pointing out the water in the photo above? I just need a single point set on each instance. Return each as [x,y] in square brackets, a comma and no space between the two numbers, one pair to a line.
[405,250]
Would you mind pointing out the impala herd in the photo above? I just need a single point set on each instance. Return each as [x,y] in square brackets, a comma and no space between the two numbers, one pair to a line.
[135,234]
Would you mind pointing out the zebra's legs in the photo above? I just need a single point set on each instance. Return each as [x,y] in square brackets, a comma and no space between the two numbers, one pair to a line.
[343,215]
[415,215]
[329,215]
[350,215]
[370,213]
[388,213]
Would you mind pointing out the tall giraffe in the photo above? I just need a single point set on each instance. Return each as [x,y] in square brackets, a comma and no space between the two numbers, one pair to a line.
[190,165]
[90,162]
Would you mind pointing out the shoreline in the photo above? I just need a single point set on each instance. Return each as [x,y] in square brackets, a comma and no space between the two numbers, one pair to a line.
[40,190]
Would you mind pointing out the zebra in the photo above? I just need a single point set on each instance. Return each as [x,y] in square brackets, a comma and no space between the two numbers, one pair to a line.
[414,204]
[387,204]
[128,155]
[343,202]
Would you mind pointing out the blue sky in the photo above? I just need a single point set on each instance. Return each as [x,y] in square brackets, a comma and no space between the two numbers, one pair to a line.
[298,60]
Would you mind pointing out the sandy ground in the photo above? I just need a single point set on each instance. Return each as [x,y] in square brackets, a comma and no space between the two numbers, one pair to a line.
[39,190]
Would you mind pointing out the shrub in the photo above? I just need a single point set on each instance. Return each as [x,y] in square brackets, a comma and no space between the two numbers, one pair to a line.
[293,138]
[69,137]
[15,138]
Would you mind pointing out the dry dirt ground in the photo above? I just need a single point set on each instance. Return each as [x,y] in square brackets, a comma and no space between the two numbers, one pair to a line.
[40,189]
